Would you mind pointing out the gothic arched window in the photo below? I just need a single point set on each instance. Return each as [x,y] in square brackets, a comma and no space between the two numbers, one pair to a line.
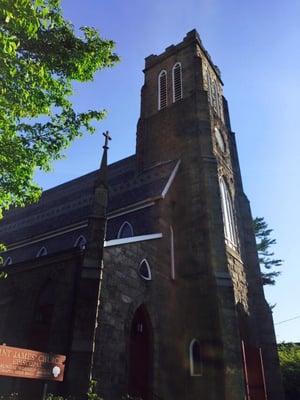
[80,242]
[125,231]
[228,214]
[42,252]
[177,82]
[209,87]
[42,317]
[8,261]
[195,358]
[162,90]
[214,94]
[144,270]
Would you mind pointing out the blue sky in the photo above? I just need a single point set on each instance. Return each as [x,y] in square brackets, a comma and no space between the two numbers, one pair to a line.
[256,46]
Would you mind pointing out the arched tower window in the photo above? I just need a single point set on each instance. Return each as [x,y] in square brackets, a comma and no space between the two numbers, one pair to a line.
[162,90]
[42,252]
[195,358]
[8,261]
[177,82]
[125,231]
[144,270]
[209,87]
[228,215]
[80,242]
[214,94]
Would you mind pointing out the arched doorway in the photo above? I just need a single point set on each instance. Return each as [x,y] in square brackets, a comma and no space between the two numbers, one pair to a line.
[42,318]
[140,355]
[39,337]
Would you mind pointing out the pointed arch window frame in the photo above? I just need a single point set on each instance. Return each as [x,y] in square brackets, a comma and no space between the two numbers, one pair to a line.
[176,65]
[192,358]
[125,223]
[81,238]
[149,278]
[230,228]
[161,74]
[42,252]
[7,262]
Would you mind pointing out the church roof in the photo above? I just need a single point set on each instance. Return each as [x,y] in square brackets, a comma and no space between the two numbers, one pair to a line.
[69,204]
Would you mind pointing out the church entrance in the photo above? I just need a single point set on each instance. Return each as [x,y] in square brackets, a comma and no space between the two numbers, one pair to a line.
[254,372]
[40,337]
[252,360]
[140,357]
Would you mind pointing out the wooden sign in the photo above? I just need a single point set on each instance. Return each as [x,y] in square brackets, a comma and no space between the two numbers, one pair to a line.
[24,363]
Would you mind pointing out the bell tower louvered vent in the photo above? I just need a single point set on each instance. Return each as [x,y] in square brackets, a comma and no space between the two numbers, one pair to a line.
[162,90]
[177,82]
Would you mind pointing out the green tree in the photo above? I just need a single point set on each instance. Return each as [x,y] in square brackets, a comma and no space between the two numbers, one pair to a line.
[40,57]
[289,357]
[91,394]
[266,256]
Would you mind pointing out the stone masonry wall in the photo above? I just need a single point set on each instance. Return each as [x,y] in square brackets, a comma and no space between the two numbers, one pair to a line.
[18,297]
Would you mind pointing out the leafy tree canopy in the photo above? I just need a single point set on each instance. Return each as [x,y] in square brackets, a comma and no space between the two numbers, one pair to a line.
[266,256]
[40,56]
[289,356]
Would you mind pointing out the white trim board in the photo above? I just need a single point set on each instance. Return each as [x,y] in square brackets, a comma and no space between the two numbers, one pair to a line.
[170,180]
[133,239]
[47,236]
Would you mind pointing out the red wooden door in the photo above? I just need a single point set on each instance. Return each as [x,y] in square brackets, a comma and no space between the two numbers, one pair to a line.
[254,372]
[140,358]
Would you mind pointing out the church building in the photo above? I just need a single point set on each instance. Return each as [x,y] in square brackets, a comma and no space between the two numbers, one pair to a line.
[145,273]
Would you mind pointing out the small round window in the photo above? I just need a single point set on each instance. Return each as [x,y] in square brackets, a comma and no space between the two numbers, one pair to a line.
[145,271]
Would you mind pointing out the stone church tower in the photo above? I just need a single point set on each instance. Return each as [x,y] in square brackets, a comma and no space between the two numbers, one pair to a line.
[173,307]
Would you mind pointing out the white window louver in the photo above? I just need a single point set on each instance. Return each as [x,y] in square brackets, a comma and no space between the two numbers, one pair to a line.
[162,90]
[177,82]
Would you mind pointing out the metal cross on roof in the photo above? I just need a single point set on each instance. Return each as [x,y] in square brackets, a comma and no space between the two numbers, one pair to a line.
[107,138]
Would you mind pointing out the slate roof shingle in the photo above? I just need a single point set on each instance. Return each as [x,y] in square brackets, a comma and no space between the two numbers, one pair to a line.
[70,202]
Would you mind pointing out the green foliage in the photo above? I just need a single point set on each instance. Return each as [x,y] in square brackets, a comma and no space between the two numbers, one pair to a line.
[12,396]
[51,396]
[40,57]
[266,257]
[91,394]
[289,356]
[3,274]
